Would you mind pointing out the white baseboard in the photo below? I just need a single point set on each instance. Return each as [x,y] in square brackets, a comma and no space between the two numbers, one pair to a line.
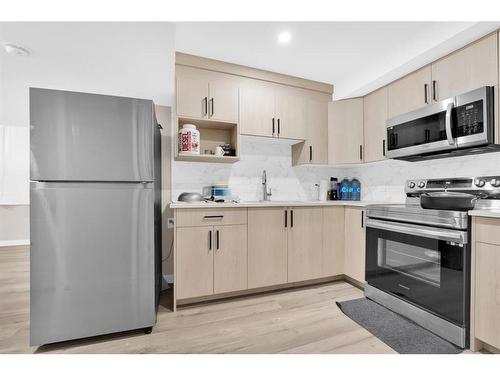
[14,243]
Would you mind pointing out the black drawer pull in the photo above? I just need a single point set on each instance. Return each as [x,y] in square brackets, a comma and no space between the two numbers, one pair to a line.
[213,216]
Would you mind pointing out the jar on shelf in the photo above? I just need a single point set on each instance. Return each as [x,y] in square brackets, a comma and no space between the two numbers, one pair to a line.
[189,140]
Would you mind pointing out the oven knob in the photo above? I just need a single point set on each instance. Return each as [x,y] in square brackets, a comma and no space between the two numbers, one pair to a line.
[495,182]
[421,184]
[411,185]
[478,182]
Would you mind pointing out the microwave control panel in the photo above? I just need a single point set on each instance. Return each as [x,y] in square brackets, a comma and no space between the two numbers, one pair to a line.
[469,119]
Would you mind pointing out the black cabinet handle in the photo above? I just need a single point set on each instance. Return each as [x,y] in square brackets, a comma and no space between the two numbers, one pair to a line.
[310,153]
[213,216]
[212,106]
[279,130]
[205,106]
[426,99]
[383,147]
[273,125]
[209,240]
[362,220]
[291,218]
[434,90]
[217,239]
[286,218]
[360,152]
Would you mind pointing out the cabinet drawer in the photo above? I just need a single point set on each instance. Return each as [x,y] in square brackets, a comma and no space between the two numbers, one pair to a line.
[192,217]
[487,230]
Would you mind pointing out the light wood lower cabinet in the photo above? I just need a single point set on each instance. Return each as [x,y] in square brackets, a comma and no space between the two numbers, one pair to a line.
[355,244]
[485,285]
[305,243]
[195,265]
[267,247]
[210,259]
[333,241]
[230,258]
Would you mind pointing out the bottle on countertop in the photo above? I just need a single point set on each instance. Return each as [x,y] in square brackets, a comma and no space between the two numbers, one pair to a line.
[333,192]
[344,189]
[356,189]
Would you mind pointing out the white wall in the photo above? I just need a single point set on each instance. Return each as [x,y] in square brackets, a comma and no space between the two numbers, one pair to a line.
[128,59]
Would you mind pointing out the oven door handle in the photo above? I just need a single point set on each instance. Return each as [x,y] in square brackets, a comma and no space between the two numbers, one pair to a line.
[449,133]
[419,230]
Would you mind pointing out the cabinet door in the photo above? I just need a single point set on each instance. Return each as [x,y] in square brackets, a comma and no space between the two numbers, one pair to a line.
[257,109]
[194,258]
[291,112]
[354,244]
[333,241]
[305,243]
[487,295]
[267,247]
[223,98]
[315,148]
[345,131]
[467,69]
[192,92]
[409,93]
[230,258]
[375,114]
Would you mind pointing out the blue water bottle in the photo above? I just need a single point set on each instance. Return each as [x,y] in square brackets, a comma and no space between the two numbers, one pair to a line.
[356,189]
[344,189]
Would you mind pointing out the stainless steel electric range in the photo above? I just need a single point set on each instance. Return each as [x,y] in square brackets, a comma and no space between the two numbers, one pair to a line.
[418,259]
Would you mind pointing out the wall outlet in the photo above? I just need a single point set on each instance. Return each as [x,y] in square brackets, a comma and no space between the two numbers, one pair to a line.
[170,222]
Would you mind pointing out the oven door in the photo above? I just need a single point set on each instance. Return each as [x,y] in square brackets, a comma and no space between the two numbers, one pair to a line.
[426,130]
[426,266]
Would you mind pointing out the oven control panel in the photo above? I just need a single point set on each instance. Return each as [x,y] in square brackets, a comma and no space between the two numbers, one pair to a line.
[486,185]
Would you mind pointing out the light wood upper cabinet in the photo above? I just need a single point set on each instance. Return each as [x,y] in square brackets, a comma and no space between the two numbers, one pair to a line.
[409,93]
[257,114]
[467,69]
[267,246]
[203,94]
[230,258]
[345,131]
[374,115]
[314,150]
[192,92]
[354,265]
[223,97]
[305,243]
[333,241]
[194,259]
[291,112]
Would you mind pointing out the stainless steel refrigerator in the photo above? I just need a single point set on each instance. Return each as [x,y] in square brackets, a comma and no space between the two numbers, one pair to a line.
[95,215]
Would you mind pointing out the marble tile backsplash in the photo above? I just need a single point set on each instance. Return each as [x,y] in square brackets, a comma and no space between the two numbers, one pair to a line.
[380,181]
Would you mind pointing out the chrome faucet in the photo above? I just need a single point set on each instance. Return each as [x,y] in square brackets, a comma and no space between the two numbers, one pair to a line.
[265,194]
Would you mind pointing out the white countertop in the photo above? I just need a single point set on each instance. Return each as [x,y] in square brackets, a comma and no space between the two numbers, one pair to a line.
[274,204]
[485,213]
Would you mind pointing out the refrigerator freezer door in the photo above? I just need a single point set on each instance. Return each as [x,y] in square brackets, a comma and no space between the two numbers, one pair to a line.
[88,137]
[92,259]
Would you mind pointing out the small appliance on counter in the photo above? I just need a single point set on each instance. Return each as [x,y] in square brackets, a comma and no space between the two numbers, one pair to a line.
[323,190]
[218,193]
[333,192]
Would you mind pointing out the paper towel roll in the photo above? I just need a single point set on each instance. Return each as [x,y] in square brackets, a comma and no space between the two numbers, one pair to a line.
[324,185]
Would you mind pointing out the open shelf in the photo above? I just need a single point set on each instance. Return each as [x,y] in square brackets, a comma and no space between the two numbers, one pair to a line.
[212,134]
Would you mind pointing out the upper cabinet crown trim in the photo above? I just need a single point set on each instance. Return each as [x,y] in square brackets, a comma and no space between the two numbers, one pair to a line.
[244,71]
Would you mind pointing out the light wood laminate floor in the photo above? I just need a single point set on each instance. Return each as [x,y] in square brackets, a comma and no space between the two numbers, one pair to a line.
[304,320]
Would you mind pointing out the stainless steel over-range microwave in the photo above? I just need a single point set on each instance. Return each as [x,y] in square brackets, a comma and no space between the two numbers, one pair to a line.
[460,125]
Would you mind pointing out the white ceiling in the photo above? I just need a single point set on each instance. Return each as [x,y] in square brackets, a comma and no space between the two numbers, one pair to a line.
[357,57]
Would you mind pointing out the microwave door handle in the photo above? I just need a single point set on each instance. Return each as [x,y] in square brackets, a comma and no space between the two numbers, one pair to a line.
[449,134]
[419,230]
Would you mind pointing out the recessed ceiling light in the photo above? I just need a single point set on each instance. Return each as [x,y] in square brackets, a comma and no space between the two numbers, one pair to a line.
[284,37]
[13,49]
